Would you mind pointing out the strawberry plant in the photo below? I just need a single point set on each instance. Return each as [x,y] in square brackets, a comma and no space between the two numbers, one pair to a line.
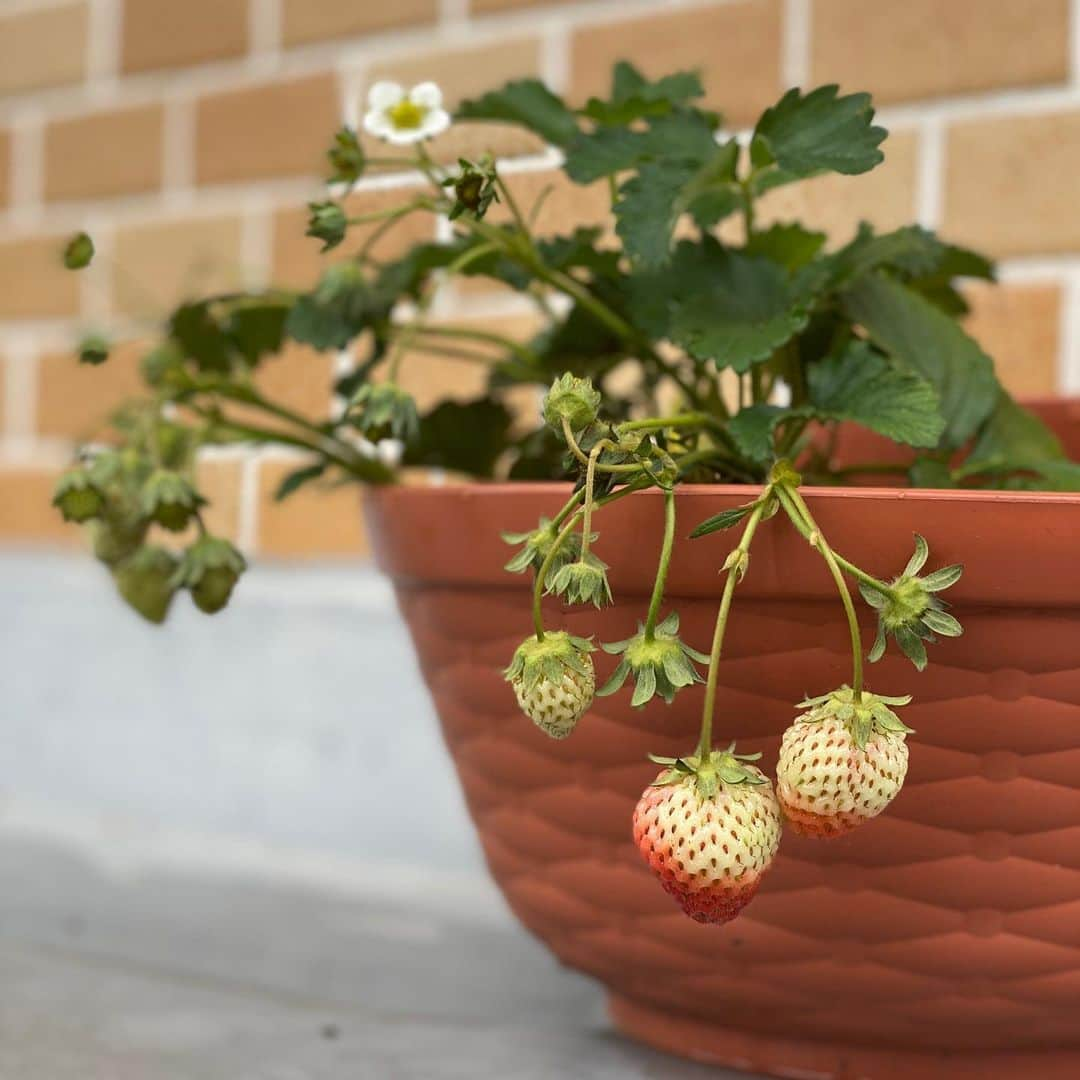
[693,339]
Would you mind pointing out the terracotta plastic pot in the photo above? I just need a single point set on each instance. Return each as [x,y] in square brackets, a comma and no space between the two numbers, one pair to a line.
[943,939]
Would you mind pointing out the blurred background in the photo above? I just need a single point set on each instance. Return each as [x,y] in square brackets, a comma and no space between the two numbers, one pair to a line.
[186,138]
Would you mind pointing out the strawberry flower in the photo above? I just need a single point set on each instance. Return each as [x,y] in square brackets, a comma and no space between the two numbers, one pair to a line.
[402,117]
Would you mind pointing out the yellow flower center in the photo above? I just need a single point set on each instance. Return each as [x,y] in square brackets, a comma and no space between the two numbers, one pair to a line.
[406,115]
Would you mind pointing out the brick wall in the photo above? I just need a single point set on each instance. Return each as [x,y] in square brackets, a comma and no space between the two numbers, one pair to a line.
[187,136]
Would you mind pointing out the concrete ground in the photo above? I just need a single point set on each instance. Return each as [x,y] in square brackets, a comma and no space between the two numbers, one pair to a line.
[206,871]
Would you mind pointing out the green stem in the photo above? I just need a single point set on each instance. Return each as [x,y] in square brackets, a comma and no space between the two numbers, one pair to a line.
[795,507]
[690,419]
[469,334]
[662,568]
[542,573]
[705,742]
[575,449]
[590,478]
[390,219]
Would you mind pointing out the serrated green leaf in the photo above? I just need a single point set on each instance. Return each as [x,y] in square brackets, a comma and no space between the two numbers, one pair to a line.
[925,340]
[790,245]
[297,479]
[529,103]
[862,386]
[928,472]
[805,134]
[744,309]
[634,97]
[257,327]
[200,336]
[752,430]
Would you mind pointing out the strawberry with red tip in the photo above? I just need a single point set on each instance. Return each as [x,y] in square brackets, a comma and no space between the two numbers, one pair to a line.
[709,829]
[841,762]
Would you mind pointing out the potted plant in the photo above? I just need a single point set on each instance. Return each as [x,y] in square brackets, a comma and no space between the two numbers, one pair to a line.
[706,378]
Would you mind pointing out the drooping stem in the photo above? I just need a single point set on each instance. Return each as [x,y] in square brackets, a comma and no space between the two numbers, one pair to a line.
[542,573]
[795,507]
[705,742]
[575,449]
[590,479]
[662,568]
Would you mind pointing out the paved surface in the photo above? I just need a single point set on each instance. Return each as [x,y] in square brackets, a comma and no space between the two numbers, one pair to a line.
[132,972]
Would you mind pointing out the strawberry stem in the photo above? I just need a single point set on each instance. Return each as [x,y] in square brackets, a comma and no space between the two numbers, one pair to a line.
[795,507]
[705,742]
[662,568]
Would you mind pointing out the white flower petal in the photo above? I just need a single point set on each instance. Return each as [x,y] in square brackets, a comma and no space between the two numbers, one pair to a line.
[435,123]
[427,95]
[384,95]
[403,136]
[378,124]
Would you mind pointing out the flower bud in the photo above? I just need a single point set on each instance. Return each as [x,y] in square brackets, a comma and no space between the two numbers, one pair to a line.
[76,496]
[383,411]
[572,399]
[170,500]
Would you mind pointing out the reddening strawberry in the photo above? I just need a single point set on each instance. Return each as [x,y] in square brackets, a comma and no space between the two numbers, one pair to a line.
[709,831]
[841,762]
[553,680]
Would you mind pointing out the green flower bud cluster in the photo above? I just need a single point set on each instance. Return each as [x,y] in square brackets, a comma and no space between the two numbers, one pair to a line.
[384,411]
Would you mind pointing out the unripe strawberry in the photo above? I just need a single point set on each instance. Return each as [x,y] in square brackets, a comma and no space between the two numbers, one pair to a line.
[77,497]
[709,831]
[170,500]
[145,581]
[841,763]
[553,681]
[209,568]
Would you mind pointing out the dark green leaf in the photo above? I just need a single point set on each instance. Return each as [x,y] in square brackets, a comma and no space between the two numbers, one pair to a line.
[201,337]
[927,341]
[724,520]
[752,429]
[746,308]
[928,472]
[862,386]
[529,103]
[464,437]
[634,97]
[790,245]
[819,131]
[257,327]
[297,479]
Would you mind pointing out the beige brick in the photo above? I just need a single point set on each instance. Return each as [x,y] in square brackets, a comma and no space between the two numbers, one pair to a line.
[103,154]
[303,21]
[5,168]
[163,33]
[316,521]
[1019,326]
[467,73]
[836,204]
[75,400]
[735,45]
[566,206]
[300,378]
[432,377]
[43,48]
[297,261]
[159,265]
[219,483]
[494,7]
[275,129]
[35,283]
[905,49]
[1010,183]
[26,511]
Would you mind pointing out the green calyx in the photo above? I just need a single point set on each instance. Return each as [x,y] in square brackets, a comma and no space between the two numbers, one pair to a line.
[583,581]
[536,546]
[718,769]
[209,569]
[145,579]
[384,411]
[871,713]
[910,611]
[346,157]
[661,664]
[572,399]
[327,222]
[549,659]
[169,500]
[474,188]
[77,497]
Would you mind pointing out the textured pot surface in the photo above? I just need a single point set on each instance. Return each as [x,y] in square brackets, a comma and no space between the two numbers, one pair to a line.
[946,929]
